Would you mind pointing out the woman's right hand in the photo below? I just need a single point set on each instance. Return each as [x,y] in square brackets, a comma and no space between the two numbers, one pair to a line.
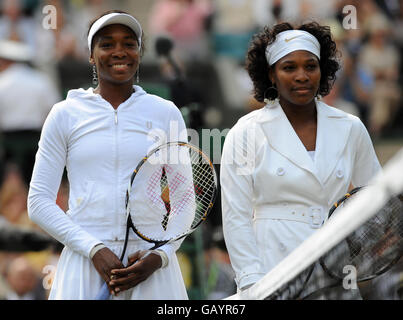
[104,261]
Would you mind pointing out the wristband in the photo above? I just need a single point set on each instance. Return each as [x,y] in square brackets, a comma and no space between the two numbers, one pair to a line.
[95,249]
[163,255]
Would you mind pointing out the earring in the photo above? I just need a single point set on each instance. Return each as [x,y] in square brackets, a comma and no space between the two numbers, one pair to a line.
[267,92]
[138,75]
[94,75]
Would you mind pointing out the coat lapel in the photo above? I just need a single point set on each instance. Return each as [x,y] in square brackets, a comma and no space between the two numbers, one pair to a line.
[332,134]
[283,138]
[333,131]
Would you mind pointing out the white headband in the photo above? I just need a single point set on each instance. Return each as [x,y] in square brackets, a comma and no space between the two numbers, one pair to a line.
[289,41]
[115,18]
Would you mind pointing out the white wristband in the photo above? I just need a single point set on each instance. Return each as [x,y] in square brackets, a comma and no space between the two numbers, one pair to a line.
[95,249]
[163,255]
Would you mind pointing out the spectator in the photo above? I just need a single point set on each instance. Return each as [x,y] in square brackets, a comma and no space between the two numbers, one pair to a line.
[69,56]
[14,25]
[16,239]
[343,94]
[185,22]
[220,275]
[353,82]
[21,22]
[2,165]
[335,99]
[270,12]
[381,60]
[26,96]
[13,198]
[233,25]
[23,282]
[317,9]
[17,234]
[76,15]
[369,11]
[398,35]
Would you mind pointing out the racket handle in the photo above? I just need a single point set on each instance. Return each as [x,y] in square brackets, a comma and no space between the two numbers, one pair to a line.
[104,293]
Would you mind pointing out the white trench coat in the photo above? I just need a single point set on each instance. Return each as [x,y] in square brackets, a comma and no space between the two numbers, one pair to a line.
[274,195]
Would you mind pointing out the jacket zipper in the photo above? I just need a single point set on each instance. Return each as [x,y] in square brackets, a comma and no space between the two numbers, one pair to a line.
[116,174]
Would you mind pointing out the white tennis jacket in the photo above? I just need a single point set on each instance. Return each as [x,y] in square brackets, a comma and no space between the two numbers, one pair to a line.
[274,195]
[100,147]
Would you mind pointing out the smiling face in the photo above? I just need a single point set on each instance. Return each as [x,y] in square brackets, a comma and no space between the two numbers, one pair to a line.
[297,77]
[116,54]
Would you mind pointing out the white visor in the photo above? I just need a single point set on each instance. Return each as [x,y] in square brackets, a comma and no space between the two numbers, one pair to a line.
[115,18]
[289,41]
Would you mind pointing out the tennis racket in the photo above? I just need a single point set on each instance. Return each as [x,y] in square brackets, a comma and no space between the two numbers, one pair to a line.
[372,249]
[171,192]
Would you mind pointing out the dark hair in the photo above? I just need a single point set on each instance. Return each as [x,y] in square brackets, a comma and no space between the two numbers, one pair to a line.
[142,48]
[258,67]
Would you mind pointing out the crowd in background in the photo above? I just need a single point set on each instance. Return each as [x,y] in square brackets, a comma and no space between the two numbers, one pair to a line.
[200,68]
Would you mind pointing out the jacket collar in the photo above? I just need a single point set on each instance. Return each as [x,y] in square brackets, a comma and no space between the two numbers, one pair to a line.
[82,94]
[332,134]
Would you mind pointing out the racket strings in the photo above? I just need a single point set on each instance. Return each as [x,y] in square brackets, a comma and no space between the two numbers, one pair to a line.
[179,194]
[174,199]
[204,185]
[372,247]
[203,182]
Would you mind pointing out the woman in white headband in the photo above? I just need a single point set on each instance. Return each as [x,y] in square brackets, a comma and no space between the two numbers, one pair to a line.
[98,135]
[292,159]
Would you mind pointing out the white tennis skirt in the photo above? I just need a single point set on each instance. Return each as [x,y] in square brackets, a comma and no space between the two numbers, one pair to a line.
[77,279]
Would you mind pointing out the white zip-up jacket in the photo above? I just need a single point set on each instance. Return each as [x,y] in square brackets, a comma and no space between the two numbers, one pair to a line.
[100,147]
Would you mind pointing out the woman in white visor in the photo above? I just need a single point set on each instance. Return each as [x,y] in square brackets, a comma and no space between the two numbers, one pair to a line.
[283,166]
[99,135]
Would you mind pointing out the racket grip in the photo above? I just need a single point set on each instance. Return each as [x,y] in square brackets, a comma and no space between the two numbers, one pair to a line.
[104,293]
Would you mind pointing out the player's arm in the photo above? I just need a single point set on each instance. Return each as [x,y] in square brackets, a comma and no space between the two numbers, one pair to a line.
[45,183]
[237,207]
[366,164]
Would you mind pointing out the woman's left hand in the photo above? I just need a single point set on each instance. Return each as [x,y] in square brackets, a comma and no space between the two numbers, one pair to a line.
[138,270]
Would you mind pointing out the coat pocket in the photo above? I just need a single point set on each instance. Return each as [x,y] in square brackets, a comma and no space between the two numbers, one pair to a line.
[81,201]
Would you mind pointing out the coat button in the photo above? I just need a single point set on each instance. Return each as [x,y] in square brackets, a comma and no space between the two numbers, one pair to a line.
[280,171]
[339,173]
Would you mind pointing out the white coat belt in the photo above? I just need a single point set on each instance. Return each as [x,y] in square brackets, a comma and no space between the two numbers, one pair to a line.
[313,215]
